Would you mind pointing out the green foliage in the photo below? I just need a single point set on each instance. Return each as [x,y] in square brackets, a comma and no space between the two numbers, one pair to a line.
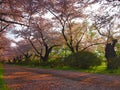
[2,83]
[31,63]
[101,55]
[83,60]
[44,63]
[115,63]
[53,62]
[118,49]
[34,63]
[57,62]
[62,52]
[118,53]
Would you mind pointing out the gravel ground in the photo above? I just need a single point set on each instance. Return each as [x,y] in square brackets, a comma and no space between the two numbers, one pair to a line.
[22,78]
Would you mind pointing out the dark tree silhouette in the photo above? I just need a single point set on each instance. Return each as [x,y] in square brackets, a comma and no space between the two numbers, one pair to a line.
[110,53]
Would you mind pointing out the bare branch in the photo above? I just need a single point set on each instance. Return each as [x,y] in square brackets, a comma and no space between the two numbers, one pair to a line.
[12,22]
[34,47]
[4,28]
[90,46]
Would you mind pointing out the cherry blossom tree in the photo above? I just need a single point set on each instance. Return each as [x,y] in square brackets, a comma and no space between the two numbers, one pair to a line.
[42,37]
[106,22]
[4,46]
[25,50]
[65,13]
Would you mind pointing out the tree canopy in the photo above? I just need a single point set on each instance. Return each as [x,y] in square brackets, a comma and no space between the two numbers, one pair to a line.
[44,25]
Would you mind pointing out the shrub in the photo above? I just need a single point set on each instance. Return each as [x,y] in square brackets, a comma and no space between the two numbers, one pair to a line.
[82,60]
[45,63]
[53,62]
[57,62]
[115,63]
[34,62]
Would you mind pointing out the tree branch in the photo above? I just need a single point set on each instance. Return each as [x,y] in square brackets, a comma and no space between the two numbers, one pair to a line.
[34,47]
[4,28]
[90,46]
[77,45]
[12,22]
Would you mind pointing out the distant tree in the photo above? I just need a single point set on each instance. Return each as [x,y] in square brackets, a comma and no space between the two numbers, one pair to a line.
[42,37]
[4,46]
[25,49]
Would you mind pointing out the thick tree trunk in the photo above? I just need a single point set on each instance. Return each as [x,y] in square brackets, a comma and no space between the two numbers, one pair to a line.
[45,59]
[48,50]
[110,54]
[46,56]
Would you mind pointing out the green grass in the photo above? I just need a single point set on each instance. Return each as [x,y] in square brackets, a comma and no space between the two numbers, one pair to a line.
[97,70]
[2,83]
[102,69]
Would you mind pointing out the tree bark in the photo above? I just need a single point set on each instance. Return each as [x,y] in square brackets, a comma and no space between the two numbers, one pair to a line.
[110,53]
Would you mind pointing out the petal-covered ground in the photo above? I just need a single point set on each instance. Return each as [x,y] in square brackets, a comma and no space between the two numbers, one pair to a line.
[22,78]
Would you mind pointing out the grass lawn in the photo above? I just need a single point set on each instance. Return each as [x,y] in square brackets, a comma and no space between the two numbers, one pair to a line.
[2,83]
[98,70]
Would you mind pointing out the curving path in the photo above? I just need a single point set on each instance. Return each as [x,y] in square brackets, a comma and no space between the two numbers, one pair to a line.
[22,78]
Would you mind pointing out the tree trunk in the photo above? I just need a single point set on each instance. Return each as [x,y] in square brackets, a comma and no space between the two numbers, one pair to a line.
[72,49]
[45,59]
[110,54]
[48,50]
[46,56]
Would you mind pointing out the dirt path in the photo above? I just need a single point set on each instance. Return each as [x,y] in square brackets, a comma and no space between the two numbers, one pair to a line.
[21,78]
